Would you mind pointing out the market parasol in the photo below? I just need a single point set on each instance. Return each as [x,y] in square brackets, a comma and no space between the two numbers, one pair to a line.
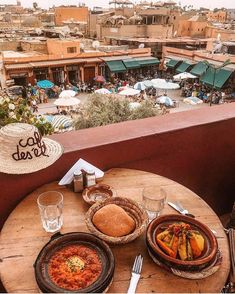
[102,91]
[165,100]
[140,86]
[99,79]
[67,93]
[129,92]
[192,100]
[184,76]
[45,84]
[165,85]
[69,101]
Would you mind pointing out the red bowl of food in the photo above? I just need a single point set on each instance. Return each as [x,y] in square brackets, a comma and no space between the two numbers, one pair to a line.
[75,263]
[181,242]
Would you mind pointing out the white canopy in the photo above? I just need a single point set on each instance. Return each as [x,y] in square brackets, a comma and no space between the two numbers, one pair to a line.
[147,83]
[140,86]
[183,76]
[67,94]
[102,91]
[192,100]
[71,101]
[129,92]
[163,84]
[165,100]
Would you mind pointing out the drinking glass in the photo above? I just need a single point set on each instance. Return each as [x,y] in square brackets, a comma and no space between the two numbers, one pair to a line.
[154,199]
[50,205]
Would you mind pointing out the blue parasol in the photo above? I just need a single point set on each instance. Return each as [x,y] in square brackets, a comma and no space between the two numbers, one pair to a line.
[165,100]
[45,84]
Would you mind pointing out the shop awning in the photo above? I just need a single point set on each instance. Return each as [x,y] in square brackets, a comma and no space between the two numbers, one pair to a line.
[222,76]
[183,66]
[116,66]
[199,69]
[148,61]
[208,77]
[18,66]
[172,63]
[131,63]
[216,78]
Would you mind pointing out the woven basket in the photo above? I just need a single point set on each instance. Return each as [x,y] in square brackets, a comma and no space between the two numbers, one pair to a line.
[131,207]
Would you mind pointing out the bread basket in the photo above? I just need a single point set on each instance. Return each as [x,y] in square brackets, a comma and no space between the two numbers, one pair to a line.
[131,207]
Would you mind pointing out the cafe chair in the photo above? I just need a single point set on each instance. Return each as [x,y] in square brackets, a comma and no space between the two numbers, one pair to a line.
[228,219]
[230,286]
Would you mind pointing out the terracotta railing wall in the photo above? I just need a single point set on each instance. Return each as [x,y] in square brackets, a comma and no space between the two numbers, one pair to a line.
[195,148]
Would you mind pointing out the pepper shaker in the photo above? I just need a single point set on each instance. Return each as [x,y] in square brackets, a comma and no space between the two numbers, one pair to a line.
[77,181]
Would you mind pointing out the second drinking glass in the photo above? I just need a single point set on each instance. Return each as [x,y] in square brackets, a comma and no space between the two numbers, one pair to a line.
[154,199]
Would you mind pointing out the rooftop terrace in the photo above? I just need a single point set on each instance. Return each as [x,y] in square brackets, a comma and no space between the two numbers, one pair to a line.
[194,148]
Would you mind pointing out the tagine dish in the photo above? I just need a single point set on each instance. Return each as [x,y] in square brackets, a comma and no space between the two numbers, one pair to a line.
[74,267]
[74,262]
[180,241]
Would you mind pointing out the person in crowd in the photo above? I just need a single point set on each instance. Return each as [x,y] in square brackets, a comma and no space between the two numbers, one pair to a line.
[24,92]
[34,106]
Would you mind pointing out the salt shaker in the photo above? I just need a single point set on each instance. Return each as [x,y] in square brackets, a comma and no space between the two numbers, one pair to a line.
[77,181]
[90,177]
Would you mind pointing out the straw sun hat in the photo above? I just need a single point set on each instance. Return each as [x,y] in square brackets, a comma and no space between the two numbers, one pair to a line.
[23,150]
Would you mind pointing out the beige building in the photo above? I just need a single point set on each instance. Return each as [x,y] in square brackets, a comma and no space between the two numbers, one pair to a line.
[64,62]
[225,34]
[65,13]
[194,27]
[146,23]
[217,16]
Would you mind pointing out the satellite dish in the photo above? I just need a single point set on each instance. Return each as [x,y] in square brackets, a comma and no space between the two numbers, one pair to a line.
[217,48]
[224,49]
[65,30]
[96,44]
[61,35]
[38,31]
[141,45]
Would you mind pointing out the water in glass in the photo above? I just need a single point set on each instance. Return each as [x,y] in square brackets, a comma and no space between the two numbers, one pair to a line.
[154,199]
[50,206]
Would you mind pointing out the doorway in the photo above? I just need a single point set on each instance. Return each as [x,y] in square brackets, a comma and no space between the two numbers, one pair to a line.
[89,74]
[58,76]
[21,81]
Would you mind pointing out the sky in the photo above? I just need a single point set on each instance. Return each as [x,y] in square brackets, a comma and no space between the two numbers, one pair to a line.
[104,3]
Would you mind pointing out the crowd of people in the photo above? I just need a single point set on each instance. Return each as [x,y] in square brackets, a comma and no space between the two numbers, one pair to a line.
[189,88]
[204,92]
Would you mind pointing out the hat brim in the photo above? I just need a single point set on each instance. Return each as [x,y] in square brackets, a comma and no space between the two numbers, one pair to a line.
[54,151]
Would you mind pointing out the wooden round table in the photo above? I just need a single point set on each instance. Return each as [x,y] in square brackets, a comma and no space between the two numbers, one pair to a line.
[22,237]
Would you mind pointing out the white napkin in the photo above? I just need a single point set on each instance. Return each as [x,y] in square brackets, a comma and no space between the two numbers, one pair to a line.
[80,164]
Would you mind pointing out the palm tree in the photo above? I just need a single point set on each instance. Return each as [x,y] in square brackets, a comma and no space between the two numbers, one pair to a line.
[35,5]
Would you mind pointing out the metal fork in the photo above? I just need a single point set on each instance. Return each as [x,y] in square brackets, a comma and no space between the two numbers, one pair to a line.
[135,273]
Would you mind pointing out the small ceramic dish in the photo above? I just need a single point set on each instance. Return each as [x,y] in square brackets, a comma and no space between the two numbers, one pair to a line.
[97,193]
